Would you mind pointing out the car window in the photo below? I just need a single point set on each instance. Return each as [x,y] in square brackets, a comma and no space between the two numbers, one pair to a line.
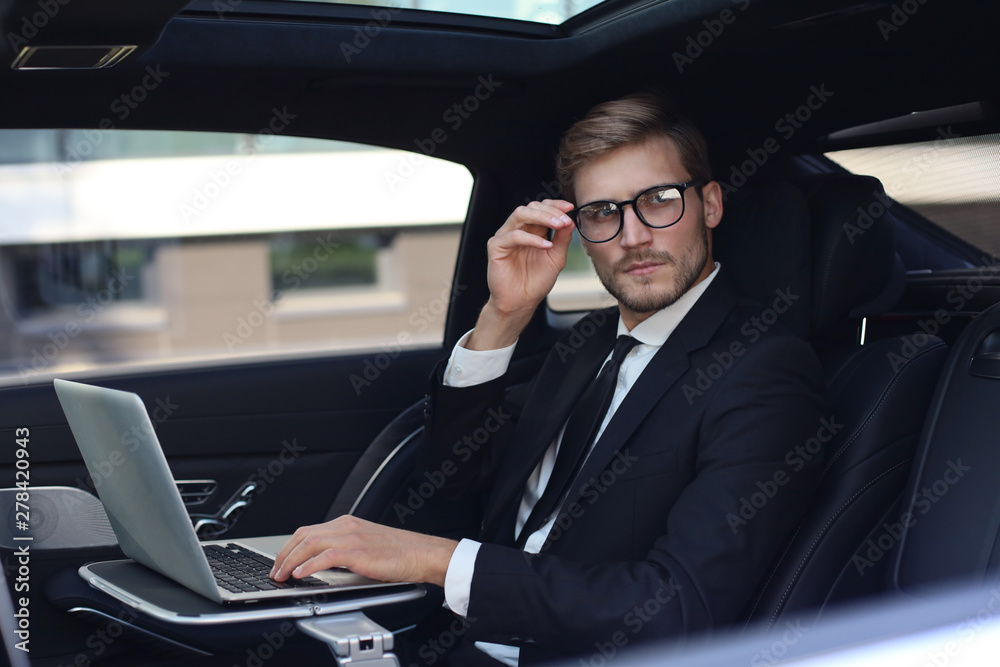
[953,181]
[540,11]
[137,247]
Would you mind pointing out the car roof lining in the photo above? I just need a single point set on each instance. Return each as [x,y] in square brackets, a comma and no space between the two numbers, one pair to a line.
[974,118]
[395,91]
[317,13]
[86,22]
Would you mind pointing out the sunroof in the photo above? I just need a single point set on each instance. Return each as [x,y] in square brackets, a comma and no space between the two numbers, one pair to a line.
[538,11]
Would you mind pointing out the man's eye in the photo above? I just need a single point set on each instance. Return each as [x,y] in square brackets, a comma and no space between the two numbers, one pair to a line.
[664,196]
[600,213]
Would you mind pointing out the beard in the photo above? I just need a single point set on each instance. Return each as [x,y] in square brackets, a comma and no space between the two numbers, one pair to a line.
[647,296]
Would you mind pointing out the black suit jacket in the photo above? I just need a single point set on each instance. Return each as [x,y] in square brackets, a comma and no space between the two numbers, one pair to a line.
[697,480]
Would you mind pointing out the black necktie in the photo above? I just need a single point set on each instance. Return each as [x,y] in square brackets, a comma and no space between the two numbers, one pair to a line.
[580,430]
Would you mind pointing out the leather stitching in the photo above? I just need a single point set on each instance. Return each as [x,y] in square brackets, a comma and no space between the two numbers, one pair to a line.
[812,547]
[882,399]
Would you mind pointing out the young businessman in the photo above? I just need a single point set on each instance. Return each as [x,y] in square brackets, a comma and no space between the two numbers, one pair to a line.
[617,495]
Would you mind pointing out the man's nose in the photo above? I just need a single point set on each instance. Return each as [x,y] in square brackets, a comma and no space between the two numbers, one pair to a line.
[634,233]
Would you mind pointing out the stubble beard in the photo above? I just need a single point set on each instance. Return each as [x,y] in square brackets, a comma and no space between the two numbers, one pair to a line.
[643,298]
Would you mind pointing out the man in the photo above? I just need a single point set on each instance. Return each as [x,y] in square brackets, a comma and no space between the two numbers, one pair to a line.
[634,526]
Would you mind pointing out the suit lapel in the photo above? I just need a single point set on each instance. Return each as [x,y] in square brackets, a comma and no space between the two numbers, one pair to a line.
[662,372]
[664,369]
[564,376]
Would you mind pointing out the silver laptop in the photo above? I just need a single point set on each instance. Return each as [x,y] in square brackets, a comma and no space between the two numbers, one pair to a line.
[148,516]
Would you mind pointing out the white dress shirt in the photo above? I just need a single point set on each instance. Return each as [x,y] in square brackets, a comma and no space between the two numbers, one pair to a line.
[468,367]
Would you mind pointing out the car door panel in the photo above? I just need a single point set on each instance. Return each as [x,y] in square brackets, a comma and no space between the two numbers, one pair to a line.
[294,428]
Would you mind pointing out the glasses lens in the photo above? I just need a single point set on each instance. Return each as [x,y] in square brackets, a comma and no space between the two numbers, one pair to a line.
[661,206]
[599,221]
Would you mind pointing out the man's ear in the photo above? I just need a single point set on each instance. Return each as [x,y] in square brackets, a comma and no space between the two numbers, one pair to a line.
[711,202]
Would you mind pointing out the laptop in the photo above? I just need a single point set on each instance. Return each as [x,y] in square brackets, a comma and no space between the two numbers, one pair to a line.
[148,516]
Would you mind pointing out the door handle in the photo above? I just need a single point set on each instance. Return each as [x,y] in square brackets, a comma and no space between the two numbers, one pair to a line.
[211,526]
[986,362]
[196,492]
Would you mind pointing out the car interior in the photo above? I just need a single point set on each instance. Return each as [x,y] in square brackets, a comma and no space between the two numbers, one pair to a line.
[855,140]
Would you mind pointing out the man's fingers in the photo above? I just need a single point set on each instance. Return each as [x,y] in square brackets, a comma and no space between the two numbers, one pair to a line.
[303,545]
[556,208]
[369,549]
[282,556]
[325,559]
[561,204]
[561,239]
[541,214]
[558,203]
[519,238]
[309,556]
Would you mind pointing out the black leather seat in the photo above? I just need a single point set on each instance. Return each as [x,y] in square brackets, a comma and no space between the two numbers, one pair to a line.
[878,394]
[380,487]
[382,469]
[951,510]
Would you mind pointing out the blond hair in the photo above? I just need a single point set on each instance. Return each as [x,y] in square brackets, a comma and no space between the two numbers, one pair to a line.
[633,119]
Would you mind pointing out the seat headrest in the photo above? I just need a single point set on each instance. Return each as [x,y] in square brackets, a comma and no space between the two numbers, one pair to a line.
[827,240]
[856,272]
[764,243]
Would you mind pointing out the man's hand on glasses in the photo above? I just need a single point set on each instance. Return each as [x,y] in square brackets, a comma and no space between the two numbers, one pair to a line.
[523,267]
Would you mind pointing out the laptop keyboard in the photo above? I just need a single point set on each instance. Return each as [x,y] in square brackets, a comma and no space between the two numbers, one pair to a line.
[239,570]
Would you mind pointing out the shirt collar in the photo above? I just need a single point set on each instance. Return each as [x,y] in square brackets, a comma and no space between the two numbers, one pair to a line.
[655,329]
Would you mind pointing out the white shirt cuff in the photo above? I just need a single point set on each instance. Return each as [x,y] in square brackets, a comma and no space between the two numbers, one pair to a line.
[458,578]
[471,367]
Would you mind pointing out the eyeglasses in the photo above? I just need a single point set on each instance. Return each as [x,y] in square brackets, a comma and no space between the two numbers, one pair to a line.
[657,207]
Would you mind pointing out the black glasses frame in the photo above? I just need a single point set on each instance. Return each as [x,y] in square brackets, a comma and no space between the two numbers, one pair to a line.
[620,207]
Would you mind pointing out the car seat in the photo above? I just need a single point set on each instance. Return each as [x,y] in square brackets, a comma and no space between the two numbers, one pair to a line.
[878,392]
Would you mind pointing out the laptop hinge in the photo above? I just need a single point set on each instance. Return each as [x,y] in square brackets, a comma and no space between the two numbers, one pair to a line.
[353,638]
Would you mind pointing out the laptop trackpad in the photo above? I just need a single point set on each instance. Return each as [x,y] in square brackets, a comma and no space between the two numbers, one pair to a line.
[269,545]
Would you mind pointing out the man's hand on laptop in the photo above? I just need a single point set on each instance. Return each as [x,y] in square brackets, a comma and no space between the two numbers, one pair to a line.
[365,548]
